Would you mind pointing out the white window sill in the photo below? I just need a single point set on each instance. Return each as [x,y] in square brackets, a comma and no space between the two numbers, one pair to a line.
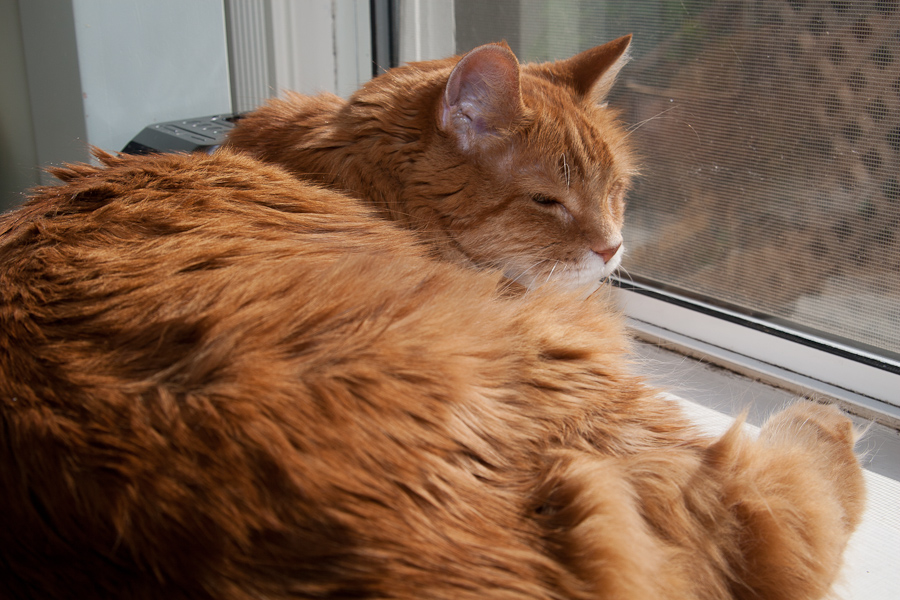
[713,396]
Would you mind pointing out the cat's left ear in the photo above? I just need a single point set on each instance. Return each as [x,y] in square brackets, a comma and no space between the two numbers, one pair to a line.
[483,97]
[591,73]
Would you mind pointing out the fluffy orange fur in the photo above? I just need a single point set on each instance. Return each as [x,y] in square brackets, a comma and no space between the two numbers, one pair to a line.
[462,149]
[218,381]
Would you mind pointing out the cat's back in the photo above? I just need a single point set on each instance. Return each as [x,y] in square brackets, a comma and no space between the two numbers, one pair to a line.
[217,381]
[147,204]
[285,126]
[312,135]
[158,250]
[171,331]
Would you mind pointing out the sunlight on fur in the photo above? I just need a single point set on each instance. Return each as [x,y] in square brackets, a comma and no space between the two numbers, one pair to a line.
[221,380]
[494,164]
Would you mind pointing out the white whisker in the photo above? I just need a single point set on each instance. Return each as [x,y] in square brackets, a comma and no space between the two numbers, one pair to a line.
[525,273]
[550,275]
[624,274]
[631,129]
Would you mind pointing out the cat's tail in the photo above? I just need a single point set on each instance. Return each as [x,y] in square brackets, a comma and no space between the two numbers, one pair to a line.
[797,494]
[738,518]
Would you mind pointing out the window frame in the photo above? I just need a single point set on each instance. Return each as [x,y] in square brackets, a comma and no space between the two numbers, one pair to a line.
[764,350]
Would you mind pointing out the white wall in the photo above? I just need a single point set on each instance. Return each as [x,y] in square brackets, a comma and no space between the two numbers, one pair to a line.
[98,71]
[53,82]
[145,61]
[76,73]
[18,157]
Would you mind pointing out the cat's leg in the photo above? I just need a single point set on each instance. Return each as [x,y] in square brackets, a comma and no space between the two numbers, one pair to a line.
[796,493]
[595,528]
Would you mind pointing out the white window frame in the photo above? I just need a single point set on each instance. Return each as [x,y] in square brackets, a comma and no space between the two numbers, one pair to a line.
[867,390]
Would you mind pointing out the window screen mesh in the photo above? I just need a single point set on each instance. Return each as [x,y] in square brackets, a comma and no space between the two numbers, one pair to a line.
[770,137]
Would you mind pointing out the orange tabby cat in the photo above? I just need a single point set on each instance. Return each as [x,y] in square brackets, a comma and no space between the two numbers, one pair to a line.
[461,150]
[220,382]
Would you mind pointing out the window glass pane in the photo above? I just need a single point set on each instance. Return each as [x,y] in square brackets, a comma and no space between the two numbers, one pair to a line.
[770,138]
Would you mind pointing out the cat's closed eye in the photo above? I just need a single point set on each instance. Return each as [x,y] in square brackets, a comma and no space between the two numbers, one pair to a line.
[545,200]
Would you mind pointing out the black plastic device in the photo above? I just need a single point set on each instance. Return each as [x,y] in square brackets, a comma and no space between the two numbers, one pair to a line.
[202,134]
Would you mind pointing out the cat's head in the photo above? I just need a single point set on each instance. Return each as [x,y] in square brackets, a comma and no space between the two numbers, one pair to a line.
[538,164]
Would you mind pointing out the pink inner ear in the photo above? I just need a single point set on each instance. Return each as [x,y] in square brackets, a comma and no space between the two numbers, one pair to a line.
[483,92]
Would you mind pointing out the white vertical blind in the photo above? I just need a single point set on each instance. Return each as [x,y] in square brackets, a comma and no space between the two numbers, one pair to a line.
[308,47]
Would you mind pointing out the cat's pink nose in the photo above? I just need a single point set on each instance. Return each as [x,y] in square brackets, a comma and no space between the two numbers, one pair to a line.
[607,252]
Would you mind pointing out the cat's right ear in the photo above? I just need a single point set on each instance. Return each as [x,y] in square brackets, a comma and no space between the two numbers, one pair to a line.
[482,98]
[592,73]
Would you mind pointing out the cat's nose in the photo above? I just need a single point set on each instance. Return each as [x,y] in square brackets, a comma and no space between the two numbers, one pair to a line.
[606,252]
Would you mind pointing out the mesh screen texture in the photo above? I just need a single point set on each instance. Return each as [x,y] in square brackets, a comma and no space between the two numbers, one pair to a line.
[769,132]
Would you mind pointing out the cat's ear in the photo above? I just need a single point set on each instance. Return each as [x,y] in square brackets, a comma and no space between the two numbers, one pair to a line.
[591,73]
[482,98]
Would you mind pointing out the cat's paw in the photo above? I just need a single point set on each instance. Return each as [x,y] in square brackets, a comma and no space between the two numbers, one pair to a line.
[798,494]
[811,423]
[827,437]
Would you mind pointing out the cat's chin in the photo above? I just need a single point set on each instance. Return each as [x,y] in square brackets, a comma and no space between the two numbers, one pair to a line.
[586,275]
